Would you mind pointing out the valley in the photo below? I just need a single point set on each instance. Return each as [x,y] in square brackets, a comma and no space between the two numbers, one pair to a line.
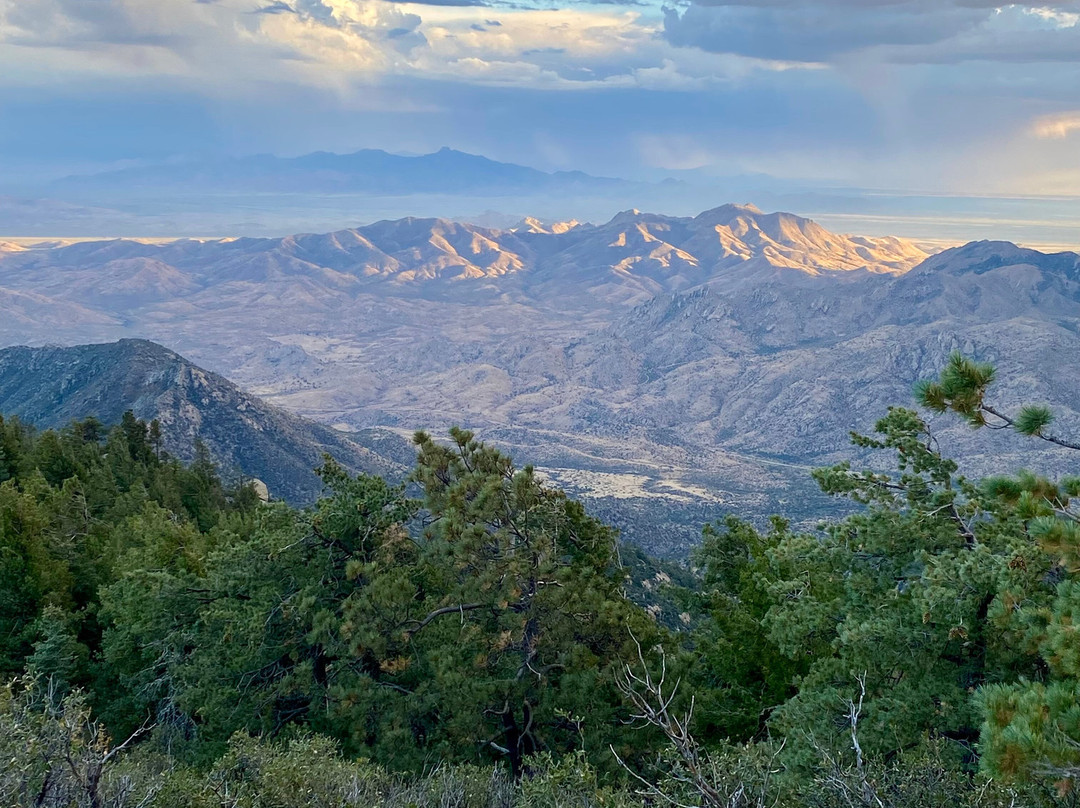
[701,364]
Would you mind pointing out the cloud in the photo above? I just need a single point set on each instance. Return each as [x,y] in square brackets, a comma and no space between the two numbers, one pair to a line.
[1056,127]
[1010,35]
[339,44]
[56,23]
[916,31]
[675,152]
[449,3]
[231,46]
[568,49]
[931,93]
[274,8]
[811,33]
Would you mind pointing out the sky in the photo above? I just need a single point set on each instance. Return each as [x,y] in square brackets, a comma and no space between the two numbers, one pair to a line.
[928,96]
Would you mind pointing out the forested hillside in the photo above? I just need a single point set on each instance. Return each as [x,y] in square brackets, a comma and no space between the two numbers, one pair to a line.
[476,637]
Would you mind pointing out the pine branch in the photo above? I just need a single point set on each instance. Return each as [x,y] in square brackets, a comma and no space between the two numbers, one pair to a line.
[1038,433]
[460,608]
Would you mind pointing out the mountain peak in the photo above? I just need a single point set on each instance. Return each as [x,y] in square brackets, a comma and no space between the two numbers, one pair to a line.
[979,257]
[730,210]
[633,216]
[146,347]
[530,224]
[728,215]
[990,247]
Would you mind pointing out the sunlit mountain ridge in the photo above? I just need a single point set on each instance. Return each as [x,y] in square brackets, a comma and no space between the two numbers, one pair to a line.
[705,360]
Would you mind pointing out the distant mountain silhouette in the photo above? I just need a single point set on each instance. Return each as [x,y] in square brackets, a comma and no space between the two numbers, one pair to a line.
[370,171]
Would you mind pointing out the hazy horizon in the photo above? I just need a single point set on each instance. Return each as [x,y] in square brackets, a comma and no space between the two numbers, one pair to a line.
[1050,222]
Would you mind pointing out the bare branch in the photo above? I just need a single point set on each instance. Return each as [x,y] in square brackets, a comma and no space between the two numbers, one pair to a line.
[652,699]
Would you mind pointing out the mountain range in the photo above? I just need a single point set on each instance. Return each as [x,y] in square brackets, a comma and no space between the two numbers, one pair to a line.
[368,171]
[702,362]
[630,258]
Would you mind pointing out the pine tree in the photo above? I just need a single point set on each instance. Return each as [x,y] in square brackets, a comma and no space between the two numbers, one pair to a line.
[898,599]
[962,388]
[1031,727]
[738,673]
[58,655]
[490,630]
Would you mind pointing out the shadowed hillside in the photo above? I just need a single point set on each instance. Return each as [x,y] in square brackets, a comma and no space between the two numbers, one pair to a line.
[51,386]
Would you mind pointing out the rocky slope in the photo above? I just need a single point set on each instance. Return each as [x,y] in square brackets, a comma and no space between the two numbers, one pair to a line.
[49,387]
[782,374]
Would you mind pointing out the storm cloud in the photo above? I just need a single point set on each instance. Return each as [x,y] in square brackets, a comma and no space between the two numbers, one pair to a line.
[903,30]
[929,94]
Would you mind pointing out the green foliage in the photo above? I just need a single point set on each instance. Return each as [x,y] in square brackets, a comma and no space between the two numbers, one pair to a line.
[960,388]
[569,782]
[737,671]
[243,629]
[1033,419]
[1031,725]
[64,499]
[58,655]
[471,631]
[53,754]
[512,608]
[56,755]
[489,629]
[922,776]
[902,595]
